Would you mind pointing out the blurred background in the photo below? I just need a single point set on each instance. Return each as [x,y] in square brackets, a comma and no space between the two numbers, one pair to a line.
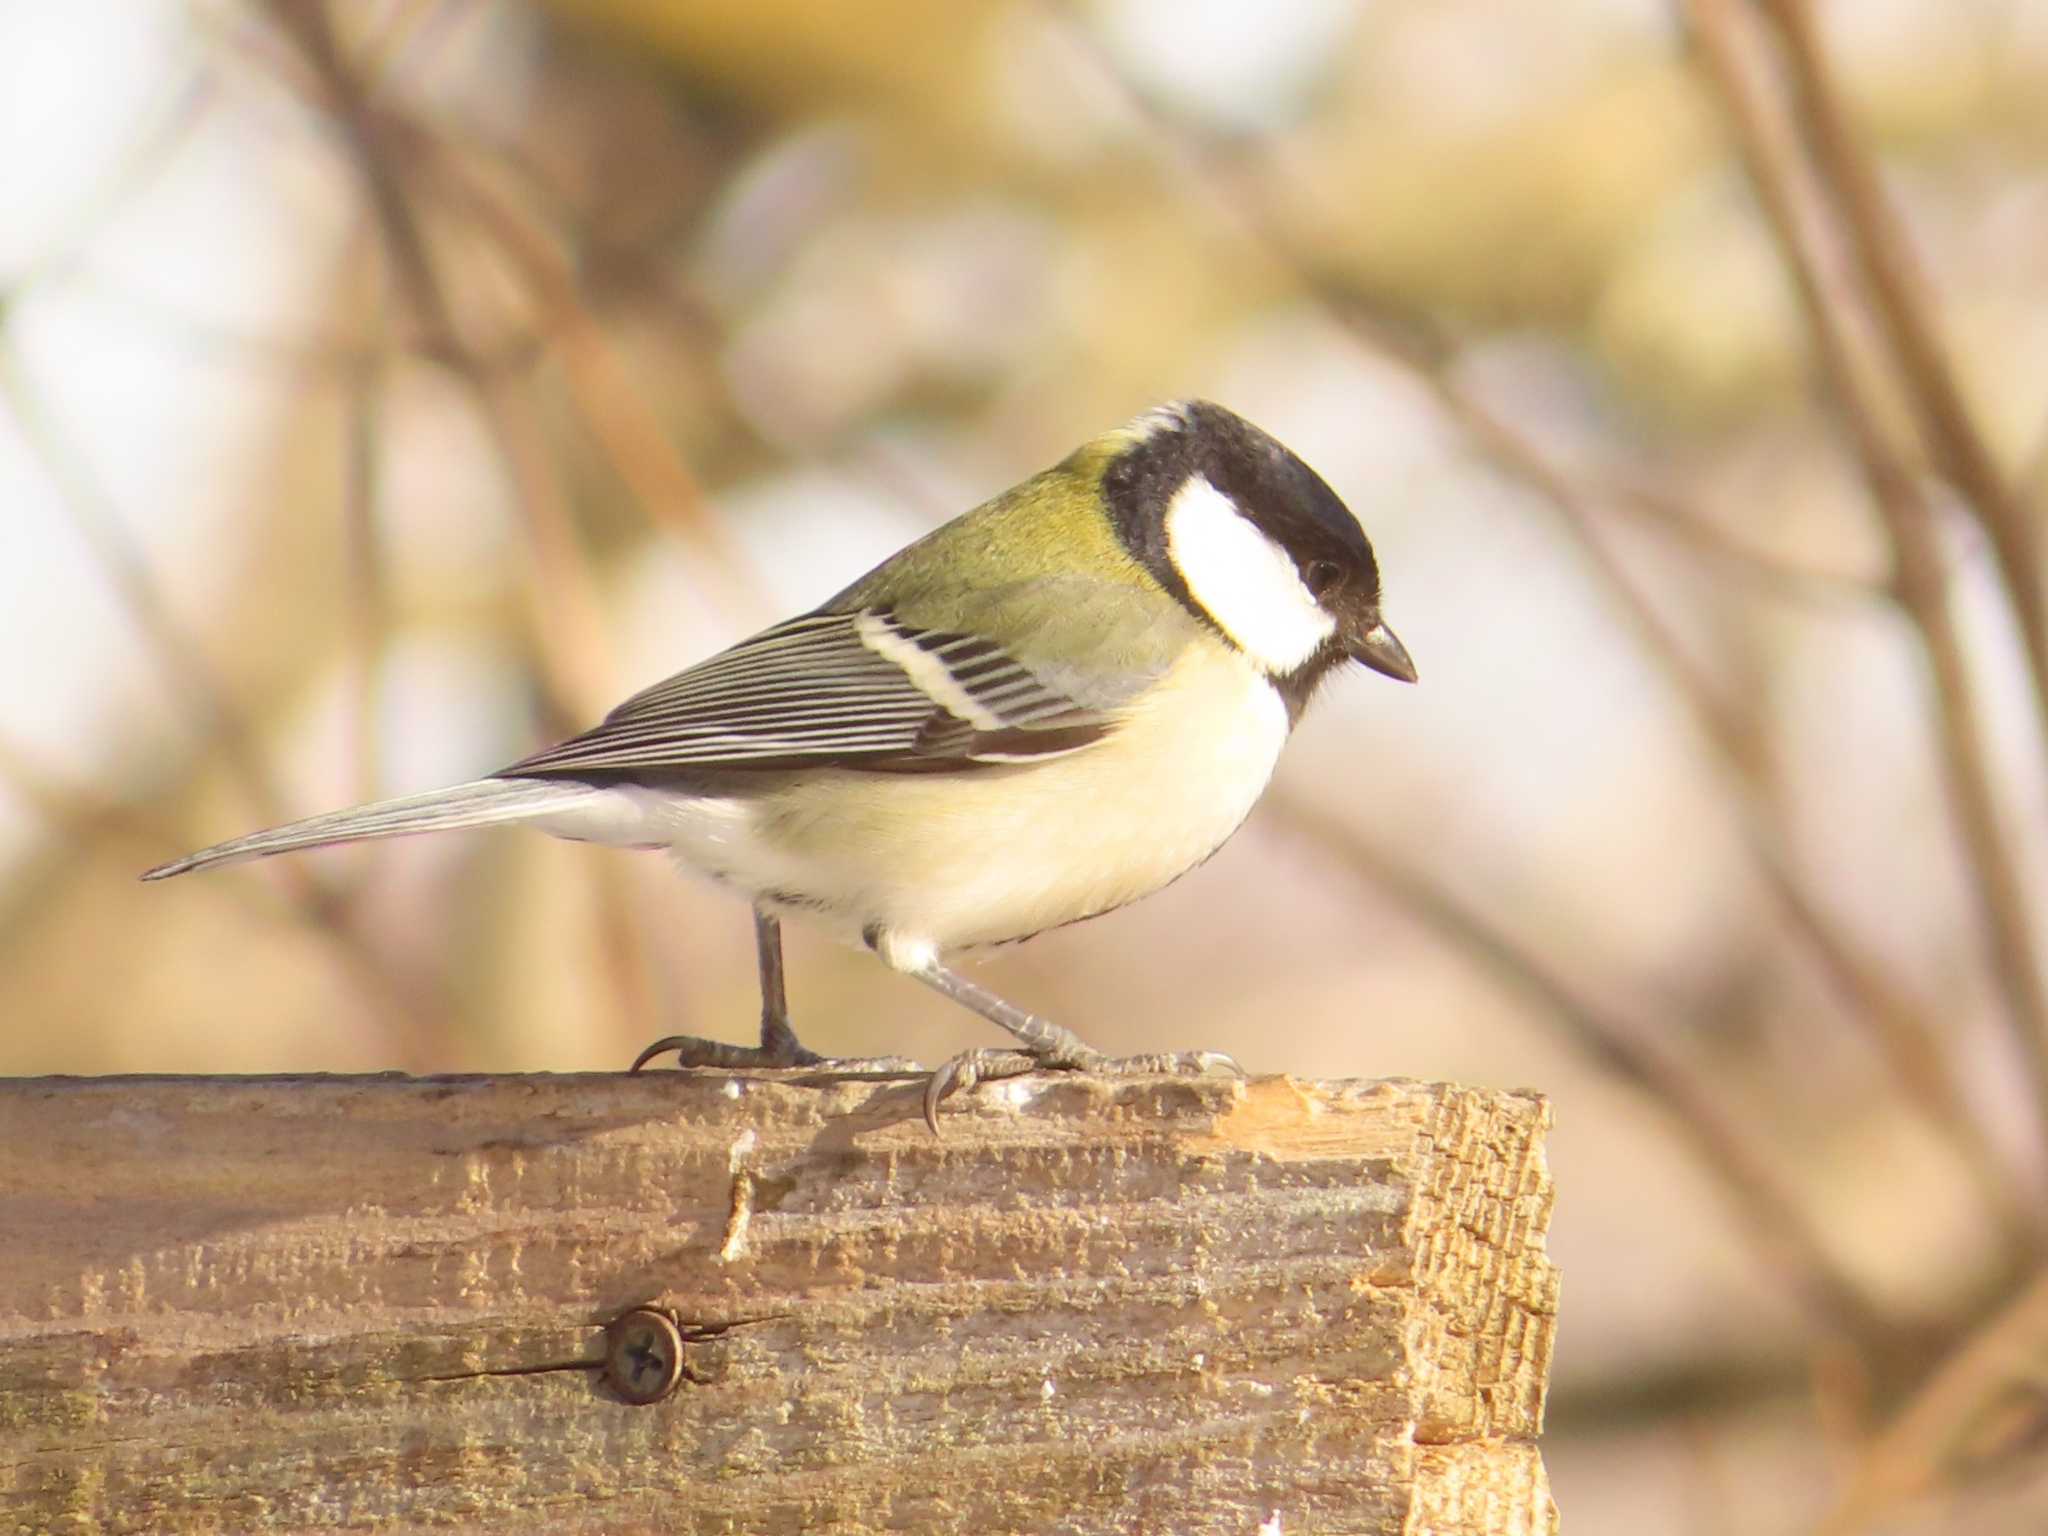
[387,389]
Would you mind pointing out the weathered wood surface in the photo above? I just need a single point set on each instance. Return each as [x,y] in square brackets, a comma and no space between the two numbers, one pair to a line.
[1155,1305]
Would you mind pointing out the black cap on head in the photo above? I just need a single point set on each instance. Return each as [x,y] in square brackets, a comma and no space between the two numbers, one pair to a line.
[1275,492]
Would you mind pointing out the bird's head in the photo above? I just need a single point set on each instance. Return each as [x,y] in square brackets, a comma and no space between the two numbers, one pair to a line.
[1252,541]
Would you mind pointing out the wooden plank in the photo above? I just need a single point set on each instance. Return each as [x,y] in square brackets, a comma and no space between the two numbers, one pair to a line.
[1149,1305]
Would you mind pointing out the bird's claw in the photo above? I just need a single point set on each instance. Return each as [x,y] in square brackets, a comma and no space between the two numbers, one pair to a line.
[692,1051]
[1177,1064]
[969,1068]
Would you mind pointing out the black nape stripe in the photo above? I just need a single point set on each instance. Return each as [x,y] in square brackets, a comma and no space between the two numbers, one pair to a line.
[1136,488]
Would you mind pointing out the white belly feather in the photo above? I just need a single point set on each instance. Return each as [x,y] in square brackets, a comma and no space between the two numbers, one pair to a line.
[945,861]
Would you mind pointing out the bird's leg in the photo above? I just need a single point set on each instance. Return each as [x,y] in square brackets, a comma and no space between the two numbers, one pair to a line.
[1049,1043]
[1045,1044]
[778,1036]
[779,1045]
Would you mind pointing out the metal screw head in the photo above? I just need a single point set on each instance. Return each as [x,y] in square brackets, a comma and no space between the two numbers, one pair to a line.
[643,1357]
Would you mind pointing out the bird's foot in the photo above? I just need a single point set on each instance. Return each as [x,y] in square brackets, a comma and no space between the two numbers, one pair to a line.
[779,1047]
[693,1051]
[779,1050]
[967,1069]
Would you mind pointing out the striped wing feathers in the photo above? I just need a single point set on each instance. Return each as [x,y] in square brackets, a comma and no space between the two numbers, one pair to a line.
[854,689]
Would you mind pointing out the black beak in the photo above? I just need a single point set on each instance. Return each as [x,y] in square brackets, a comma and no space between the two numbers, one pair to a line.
[1378,649]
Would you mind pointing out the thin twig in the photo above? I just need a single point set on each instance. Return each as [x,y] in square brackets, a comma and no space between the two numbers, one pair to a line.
[1768,572]
[1879,242]
[1833,1303]
[574,653]
[79,816]
[1983,1408]
[1798,212]
[615,411]
[339,358]
[563,605]
[367,612]
[1904,1033]
[307,23]
[192,678]
[151,150]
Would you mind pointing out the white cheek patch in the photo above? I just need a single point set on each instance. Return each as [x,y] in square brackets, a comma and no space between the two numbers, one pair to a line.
[1243,580]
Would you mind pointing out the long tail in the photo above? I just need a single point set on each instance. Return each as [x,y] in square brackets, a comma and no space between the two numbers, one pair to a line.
[481,804]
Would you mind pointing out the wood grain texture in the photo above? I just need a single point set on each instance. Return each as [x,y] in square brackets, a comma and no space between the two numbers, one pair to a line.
[1149,1305]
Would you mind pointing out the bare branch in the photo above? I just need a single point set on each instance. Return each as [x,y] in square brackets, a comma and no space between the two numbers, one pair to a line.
[1768,572]
[1903,305]
[562,596]
[616,412]
[1979,1412]
[367,612]
[185,667]
[1903,1032]
[184,108]
[1733,53]
[1835,1306]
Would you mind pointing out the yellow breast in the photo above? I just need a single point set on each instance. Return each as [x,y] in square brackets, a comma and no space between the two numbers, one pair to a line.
[1002,853]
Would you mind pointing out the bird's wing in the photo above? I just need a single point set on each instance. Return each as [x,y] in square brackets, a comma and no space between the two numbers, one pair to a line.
[856,689]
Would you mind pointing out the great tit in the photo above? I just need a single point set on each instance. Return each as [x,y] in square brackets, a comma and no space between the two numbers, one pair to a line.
[1052,705]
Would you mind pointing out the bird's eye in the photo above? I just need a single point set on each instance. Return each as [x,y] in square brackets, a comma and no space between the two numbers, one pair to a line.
[1323,577]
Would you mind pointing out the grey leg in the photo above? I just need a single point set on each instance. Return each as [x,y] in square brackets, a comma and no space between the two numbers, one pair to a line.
[779,1045]
[1045,1045]
[777,1034]
[1052,1045]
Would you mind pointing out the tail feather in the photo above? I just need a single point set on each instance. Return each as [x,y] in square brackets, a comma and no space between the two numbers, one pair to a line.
[486,802]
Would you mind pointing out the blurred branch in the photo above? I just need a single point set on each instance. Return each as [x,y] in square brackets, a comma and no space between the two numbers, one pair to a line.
[564,608]
[183,663]
[150,150]
[367,613]
[1903,305]
[2034,478]
[1726,1385]
[1703,534]
[1409,340]
[640,272]
[420,30]
[1835,1306]
[1979,1413]
[1733,52]
[337,357]
[192,678]
[615,411]
[185,666]
[1902,1031]
[346,99]
[79,815]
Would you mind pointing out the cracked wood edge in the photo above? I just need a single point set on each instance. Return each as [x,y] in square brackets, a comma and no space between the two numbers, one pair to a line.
[280,1303]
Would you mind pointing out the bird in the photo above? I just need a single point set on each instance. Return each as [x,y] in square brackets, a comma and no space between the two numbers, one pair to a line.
[1054,704]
